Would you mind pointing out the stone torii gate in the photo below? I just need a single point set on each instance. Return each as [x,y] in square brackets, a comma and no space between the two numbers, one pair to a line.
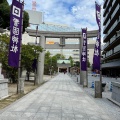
[62,34]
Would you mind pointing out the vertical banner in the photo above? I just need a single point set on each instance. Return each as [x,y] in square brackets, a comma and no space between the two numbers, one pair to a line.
[15,33]
[96,58]
[84,51]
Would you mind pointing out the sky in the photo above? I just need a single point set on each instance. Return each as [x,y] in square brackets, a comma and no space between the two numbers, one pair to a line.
[74,13]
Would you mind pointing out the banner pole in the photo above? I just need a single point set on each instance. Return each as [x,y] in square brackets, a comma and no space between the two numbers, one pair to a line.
[97,53]
[100,57]
[19,67]
[87,62]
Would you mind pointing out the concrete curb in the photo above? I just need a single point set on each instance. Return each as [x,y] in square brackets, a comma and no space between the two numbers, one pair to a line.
[113,101]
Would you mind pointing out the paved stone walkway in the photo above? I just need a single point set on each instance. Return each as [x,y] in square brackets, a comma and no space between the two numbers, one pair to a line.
[58,99]
[113,110]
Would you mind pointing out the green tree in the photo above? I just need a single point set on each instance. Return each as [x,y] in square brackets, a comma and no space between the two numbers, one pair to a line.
[59,56]
[25,21]
[3,1]
[71,61]
[51,62]
[7,71]
[27,56]
[5,16]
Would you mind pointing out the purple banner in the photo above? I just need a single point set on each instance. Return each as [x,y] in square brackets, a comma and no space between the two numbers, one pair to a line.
[96,58]
[84,51]
[98,15]
[15,33]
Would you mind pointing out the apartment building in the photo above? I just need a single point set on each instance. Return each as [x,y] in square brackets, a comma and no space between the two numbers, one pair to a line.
[111,31]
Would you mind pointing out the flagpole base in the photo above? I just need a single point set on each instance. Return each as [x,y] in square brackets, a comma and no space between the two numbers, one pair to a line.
[98,92]
[21,86]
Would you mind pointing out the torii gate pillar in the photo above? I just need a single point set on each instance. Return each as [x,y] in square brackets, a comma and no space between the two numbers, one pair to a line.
[83,74]
[40,66]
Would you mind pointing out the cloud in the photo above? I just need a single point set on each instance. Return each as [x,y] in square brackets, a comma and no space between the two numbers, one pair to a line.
[75,13]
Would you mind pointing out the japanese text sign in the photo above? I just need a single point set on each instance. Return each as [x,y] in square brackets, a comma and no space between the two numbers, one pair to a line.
[84,51]
[15,33]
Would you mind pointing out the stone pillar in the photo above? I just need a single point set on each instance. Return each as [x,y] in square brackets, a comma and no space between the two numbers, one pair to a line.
[3,88]
[21,85]
[83,74]
[97,89]
[3,85]
[40,69]
[58,69]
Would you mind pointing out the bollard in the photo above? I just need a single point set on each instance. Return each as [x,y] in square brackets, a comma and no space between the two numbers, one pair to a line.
[92,85]
[111,87]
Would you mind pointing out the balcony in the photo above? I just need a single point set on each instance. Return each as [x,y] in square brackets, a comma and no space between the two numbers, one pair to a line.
[113,27]
[112,56]
[114,17]
[105,18]
[109,3]
[118,33]
[114,41]
[107,11]
[106,26]
[115,11]
[105,37]
[117,48]
[109,53]
[113,2]
[111,63]
[105,3]
[110,10]
[112,30]
[106,45]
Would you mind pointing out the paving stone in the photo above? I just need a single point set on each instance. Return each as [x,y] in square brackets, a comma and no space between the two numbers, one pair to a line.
[61,98]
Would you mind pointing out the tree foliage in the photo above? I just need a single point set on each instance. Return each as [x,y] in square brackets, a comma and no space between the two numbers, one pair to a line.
[71,60]
[7,71]
[3,1]
[25,20]
[51,62]
[29,53]
[27,56]
[5,16]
